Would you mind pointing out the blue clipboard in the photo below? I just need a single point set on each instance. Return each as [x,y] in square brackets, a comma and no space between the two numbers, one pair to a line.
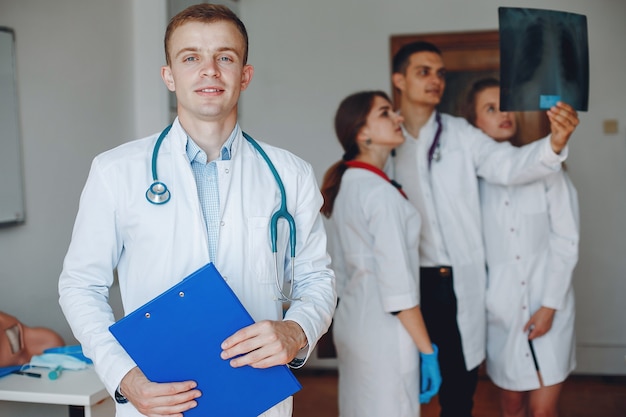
[177,337]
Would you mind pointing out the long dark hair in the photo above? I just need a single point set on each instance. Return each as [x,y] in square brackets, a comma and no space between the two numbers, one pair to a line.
[350,117]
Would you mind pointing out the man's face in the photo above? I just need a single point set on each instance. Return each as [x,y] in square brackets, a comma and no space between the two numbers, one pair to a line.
[424,80]
[207,71]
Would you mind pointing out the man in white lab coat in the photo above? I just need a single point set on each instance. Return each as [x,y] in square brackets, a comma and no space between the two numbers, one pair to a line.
[438,167]
[222,197]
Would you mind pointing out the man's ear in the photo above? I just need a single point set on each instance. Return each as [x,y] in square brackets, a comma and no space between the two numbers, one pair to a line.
[398,81]
[246,76]
[168,79]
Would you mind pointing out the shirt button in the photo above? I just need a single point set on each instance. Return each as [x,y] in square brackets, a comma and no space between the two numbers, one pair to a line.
[523,307]
[517,257]
[523,282]
[512,229]
[506,203]
[222,223]
[227,170]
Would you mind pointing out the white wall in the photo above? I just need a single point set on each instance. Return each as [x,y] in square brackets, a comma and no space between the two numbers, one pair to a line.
[89,80]
[309,55]
[76,100]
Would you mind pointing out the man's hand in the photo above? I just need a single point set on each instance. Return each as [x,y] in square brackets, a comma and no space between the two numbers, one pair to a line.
[264,344]
[563,122]
[155,399]
[540,323]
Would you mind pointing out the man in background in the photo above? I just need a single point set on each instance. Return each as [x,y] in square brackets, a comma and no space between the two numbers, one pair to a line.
[438,167]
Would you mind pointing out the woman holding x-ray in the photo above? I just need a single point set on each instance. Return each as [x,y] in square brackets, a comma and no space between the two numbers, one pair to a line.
[531,243]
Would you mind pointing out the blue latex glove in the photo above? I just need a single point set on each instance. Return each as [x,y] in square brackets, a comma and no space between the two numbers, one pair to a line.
[431,376]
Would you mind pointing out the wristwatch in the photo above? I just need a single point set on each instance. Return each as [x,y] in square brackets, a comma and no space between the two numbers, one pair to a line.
[119,398]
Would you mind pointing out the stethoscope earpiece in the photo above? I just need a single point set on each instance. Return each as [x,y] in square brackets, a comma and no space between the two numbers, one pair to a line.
[158,193]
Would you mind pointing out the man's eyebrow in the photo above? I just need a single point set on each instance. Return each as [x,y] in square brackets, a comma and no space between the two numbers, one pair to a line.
[232,49]
[185,50]
[196,50]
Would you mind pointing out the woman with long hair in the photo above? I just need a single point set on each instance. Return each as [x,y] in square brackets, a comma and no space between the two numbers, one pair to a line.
[378,329]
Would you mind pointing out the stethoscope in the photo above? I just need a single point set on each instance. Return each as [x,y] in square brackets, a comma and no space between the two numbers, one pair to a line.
[158,194]
[434,152]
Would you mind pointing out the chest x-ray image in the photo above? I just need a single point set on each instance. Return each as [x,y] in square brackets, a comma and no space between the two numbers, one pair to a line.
[544,58]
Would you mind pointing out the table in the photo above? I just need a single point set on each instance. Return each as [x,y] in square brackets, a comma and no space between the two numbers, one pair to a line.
[74,393]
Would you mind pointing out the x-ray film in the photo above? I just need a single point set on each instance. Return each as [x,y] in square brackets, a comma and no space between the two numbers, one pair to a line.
[544,58]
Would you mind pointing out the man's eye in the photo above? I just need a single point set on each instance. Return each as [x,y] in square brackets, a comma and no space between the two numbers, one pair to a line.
[224,59]
[190,59]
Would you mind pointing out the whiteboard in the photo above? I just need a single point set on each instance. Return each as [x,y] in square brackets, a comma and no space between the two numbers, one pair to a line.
[11,183]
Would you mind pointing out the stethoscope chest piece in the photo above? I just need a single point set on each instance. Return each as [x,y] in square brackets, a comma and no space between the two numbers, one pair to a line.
[437,154]
[158,193]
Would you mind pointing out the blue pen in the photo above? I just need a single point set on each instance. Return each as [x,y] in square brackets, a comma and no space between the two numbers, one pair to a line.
[56,373]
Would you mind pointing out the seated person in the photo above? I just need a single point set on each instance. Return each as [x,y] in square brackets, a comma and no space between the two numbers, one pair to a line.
[19,343]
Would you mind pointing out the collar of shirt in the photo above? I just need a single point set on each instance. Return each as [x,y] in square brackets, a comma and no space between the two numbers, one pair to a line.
[429,129]
[195,153]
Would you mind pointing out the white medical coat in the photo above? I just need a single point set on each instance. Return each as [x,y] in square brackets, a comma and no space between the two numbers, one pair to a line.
[155,246]
[374,246]
[447,199]
[531,242]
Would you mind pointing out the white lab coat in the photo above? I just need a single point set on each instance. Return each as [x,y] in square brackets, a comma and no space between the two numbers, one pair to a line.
[153,247]
[374,234]
[531,242]
[447,199]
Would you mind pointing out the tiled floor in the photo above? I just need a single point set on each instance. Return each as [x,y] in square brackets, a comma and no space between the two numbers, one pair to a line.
[582,396]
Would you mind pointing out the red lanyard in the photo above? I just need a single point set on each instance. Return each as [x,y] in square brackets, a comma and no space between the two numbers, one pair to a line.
[372,168]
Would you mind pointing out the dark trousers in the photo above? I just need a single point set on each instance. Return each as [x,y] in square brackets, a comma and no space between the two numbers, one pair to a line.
[438,305]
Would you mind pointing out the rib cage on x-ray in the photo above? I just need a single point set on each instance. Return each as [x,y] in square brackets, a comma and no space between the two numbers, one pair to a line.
[543,58]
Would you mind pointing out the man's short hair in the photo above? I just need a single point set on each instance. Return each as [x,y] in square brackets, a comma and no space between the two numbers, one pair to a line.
[205,13]
[401,58]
